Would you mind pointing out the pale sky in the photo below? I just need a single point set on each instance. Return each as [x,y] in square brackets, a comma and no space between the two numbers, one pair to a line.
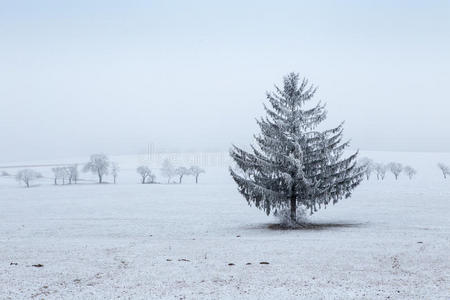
[112,76]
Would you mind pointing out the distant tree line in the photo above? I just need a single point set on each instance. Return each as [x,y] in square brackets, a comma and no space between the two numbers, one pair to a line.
[395,168]
[101,166]
[69,173]
[381,169]
[169,171]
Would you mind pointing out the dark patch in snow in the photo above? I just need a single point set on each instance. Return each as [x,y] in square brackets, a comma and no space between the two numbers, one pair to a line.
[38,265]
[264,263]
[314,226]
[395,262]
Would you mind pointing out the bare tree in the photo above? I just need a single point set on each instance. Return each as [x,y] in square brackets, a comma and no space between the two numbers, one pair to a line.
[56,174]
[99,165]
[380,170]
[151,178]
[115,171]
[145,173]
[368,166]
[196,171]
[27,175]
[181,172]
[72,172]
[444,169]
[69,172]
[168,170]
[395,168]
[410,171]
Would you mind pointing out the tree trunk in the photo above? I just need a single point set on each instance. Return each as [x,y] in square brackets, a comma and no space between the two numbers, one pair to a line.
[293,209]
[196,179]
[100,178]
[181,178]
[143,179]
[27,183]
[55,181]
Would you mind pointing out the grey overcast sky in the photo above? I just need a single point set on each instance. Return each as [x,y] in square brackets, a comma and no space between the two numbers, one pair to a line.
[112,76]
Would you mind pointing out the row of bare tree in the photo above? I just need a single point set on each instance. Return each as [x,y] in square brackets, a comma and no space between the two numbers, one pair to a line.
[98,164]
[381,169]
[395,168]
[101,166]
[69,173]
[169,171]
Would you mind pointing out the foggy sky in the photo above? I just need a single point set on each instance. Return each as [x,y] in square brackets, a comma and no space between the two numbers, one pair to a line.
[114,76]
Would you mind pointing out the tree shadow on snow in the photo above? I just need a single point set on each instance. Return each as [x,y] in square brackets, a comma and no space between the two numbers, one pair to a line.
[314,226]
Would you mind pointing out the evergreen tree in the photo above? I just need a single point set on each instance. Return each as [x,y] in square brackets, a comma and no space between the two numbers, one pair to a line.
[294,165]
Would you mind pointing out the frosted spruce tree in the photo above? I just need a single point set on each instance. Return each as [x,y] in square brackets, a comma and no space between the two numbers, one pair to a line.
[294,165]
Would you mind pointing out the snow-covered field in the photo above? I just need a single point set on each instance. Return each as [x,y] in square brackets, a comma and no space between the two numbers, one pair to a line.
[391,240]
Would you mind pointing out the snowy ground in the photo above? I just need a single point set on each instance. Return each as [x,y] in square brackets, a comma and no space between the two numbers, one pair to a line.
[390,240]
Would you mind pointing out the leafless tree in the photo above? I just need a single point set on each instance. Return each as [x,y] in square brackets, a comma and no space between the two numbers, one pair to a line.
[196,171]
[27,175]
[168,170]
[115,171]
[151,178]
[368,166]
[410,171]
[445,169]
[145,173]
[72,172]
[59,173]
[99,165]
[181,172]
[395,168]
[380,170]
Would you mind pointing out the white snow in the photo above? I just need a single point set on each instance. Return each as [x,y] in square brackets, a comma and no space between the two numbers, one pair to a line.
[134,241]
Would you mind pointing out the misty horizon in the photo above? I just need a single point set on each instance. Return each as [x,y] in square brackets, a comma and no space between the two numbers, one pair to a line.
[100,78]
